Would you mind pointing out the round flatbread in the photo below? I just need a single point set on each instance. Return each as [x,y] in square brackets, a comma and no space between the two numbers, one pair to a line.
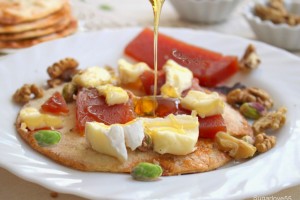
[38,24]
[37,32]
[15,44]
[74,151]
[18,11]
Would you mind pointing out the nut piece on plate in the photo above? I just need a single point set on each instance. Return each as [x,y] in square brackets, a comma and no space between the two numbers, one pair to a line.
[24,23]
[238,149]
[62,71]
[57,69]
[264,142]
[27,92]
[250,59]
[69,92]
[146,172]
[252,94]
[252,110]
[273,120]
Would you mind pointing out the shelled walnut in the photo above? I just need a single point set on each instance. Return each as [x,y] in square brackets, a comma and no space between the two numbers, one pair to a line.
[62,71]
[250,59]
[264,142]
[252,94]
[276,12]
[278,5]
[27,92]
[272,120]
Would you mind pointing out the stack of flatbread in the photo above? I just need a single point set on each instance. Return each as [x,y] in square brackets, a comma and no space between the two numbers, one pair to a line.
[24,23]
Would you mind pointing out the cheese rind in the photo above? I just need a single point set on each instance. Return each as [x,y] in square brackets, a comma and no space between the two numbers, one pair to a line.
[108,140]
[134,133]
[112,140]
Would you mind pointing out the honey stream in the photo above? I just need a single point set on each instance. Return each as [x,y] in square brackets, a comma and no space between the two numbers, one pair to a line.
[157,7]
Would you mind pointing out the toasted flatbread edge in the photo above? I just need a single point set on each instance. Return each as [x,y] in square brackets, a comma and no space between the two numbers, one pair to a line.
[16,44]
[14,17]
[37,24]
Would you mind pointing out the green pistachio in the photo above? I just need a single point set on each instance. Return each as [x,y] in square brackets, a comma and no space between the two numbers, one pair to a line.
[253,110]
[68,91]
[47,137]
[146,171]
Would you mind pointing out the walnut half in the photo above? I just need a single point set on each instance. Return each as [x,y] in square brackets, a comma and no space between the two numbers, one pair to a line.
[27,92]
[250,59]
[252,94]
[237,148]
[264,142]
[276,11]
[272,120]
[62,71]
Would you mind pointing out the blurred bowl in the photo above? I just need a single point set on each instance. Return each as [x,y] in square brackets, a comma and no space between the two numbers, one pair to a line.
[205,11]
[280,35]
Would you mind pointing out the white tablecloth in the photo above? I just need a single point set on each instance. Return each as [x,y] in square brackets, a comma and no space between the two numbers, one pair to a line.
[100,14]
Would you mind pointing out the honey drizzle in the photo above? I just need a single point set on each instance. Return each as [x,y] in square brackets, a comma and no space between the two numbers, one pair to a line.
[157,7]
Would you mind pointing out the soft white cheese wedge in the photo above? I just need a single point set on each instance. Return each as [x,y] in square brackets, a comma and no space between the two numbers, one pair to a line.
[129,73]
[204,104]
[134,133]
[35,120]
[92,77]
[105,139]
[178,79]
[113,94]
[176,135]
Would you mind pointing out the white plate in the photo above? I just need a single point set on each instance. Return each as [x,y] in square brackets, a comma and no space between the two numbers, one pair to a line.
[264,174]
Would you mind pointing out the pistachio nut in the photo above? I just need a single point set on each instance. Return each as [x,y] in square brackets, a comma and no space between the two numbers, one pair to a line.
[47,137]
[68,91]
[146,172]
[253,110]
